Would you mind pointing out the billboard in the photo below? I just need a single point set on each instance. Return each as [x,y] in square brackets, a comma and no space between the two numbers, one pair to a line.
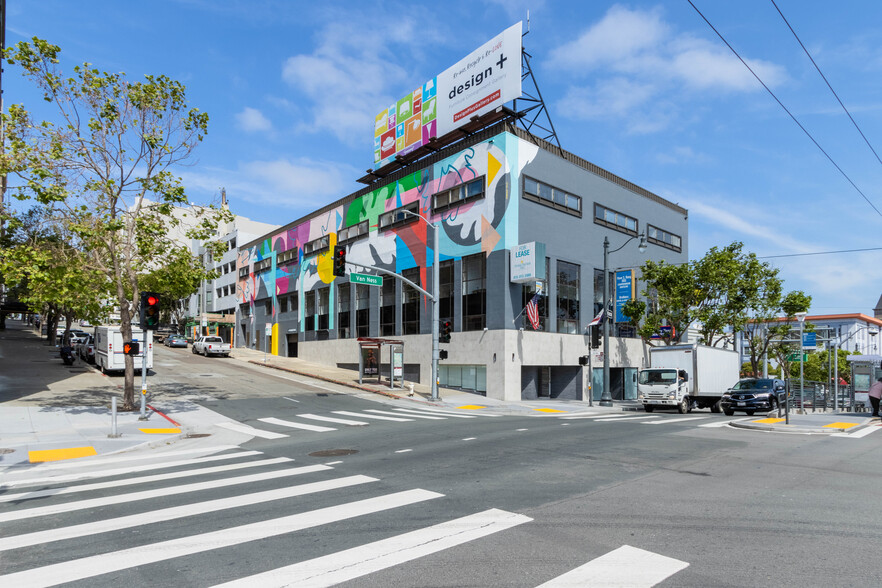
[485,79]
[625,289]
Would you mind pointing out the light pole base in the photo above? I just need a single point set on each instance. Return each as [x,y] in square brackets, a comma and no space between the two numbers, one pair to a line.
[606,403]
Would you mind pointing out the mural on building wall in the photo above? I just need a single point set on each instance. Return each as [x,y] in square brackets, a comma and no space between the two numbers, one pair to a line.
[485,225]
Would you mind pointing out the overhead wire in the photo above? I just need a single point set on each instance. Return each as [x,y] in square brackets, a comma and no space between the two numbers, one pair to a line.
[781,104]
[819,253]
[809,55]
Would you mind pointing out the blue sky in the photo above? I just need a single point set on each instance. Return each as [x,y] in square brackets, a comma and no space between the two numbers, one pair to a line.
[645,90]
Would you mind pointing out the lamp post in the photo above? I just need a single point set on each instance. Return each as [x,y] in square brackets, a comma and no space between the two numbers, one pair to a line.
[436,291]
[606,397]
[800,316]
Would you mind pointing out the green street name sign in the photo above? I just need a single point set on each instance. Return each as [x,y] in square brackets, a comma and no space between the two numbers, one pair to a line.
[366,279]
[795,357]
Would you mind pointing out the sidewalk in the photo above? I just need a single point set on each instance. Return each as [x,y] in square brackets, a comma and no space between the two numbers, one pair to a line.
[68,413]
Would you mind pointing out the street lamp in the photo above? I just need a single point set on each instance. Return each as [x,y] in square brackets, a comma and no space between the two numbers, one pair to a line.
[800,316]
[436,291]
[606,397]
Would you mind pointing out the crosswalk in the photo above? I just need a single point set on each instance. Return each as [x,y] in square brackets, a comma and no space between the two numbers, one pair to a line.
[306,422]
[703,421]
[108,524]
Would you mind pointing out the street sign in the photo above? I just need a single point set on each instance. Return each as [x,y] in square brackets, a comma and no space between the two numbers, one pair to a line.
[795,357]
[366,279]
[809,340]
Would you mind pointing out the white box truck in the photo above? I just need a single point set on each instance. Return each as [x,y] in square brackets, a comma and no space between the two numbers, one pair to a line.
[109,356]
[687,376]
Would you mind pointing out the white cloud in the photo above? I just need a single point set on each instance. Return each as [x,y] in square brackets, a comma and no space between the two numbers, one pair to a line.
[641,69]
[253,120]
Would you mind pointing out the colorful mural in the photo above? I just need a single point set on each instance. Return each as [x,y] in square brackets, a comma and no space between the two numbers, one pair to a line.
[485,225]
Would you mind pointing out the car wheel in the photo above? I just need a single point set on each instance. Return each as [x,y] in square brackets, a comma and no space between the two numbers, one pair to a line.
[728,412]
[684,405]
[648,407]
[193,349]
[717,407]
[773,404]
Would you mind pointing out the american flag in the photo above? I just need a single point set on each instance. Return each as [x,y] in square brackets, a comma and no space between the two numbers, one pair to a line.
[533,311]
[597,319]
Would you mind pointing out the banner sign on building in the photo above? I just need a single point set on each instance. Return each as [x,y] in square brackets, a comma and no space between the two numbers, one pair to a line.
[624,292]
[527,263]
[487,78]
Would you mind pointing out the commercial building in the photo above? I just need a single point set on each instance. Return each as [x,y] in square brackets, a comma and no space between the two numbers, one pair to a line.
[498,195]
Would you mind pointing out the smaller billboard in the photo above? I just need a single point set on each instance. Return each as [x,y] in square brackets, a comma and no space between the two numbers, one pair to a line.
[527,263]
[624,293]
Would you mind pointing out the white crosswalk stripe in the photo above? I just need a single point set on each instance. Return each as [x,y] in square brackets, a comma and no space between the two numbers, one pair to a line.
[410,415]
[305,427]
[680,420]
[371,416]
[629,418]
[240,428]
[326,419]
[625,566]
[353,563]
[426,411]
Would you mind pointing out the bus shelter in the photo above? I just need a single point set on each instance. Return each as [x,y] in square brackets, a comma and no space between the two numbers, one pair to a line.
[371,364]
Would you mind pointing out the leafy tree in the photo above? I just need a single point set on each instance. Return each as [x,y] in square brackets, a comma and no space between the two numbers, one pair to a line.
[104,168]
[766,330]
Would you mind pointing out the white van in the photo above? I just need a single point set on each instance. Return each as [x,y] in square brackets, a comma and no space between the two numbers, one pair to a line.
[109,356]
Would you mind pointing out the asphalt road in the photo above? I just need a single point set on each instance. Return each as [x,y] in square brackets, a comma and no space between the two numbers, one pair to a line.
[703,505]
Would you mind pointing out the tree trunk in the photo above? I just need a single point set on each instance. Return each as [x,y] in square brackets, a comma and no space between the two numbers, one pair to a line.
[125,328]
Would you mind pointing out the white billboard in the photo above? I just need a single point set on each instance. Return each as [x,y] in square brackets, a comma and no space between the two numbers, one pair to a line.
[485,79]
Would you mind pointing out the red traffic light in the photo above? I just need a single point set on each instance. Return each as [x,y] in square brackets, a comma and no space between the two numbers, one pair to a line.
[151,300]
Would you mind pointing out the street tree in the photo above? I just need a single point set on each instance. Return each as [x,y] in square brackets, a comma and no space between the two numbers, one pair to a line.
[105,166]
[772,319]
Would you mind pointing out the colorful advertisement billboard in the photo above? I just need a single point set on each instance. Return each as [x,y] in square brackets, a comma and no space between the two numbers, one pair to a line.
[485,79]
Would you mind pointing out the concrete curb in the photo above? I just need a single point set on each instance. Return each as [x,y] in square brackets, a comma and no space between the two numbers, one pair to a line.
[800,429]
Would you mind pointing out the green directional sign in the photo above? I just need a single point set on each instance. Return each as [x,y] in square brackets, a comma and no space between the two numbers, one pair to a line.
[366,279]
[795,357]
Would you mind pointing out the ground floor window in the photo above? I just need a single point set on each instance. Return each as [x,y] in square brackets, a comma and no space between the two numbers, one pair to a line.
[362,310]
[466,377]
[410,303]
[344,298]
[309,318]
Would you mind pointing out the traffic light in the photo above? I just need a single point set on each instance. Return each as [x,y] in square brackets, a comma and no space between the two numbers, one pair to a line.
[583,360]
[442,354]
[340,260]
[131,348]
[446,329]
[149,311]
[595,336]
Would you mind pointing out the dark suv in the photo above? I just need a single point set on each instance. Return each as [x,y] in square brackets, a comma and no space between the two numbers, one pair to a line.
[753,394]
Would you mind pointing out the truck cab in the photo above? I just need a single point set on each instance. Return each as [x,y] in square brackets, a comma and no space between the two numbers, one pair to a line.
[664,387]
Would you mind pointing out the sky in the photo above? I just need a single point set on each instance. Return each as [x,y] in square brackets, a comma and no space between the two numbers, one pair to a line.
[646,90]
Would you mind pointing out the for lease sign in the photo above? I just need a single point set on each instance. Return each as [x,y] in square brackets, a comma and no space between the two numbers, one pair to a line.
[487,78]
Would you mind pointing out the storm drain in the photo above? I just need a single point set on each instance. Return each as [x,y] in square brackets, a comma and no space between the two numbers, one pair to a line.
[198,435]
[4,450]
[333,452]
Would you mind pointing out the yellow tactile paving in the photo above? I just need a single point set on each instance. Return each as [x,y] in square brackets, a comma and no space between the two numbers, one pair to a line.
[59,454]
[769,421]
[160,431]
[472,407]
[840,425]
[548,410]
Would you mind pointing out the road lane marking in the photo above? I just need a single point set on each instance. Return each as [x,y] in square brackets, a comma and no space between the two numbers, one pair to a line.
[469,438]
[627,418]
[240,428]
[349,564]
[304,426]
[52,509]
[124,471]
[141,480]
[858,434]
[625,566]
[681,420]
[176,512]
[404,450]
[717,424]
[291,399]
[446,414]
[316,417]
[371,416]
[594,416]
[415,416]
[88,567]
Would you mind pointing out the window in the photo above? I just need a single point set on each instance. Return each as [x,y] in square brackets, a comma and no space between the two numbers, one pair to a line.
[527,293]
[567,298]
[398,216]
[410,303]
[474,292]
[362,310]
[324,314]
[550,196]
[614,220]
[445,286]
[662,237]
[309,319]
[283,304]
[352,233]
[387,308]
[268,307]
[233,243]
[344,298]
[263,265]
[465,192]
[243,272]
[317,245]
[286,257]
[245,309]
[219,290]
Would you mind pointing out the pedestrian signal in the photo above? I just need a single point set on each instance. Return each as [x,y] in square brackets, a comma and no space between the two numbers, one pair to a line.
[131,348]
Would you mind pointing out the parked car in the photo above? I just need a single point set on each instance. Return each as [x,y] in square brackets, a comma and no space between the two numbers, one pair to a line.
[86,349]
[175,341]
[209,345]
[753,394]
